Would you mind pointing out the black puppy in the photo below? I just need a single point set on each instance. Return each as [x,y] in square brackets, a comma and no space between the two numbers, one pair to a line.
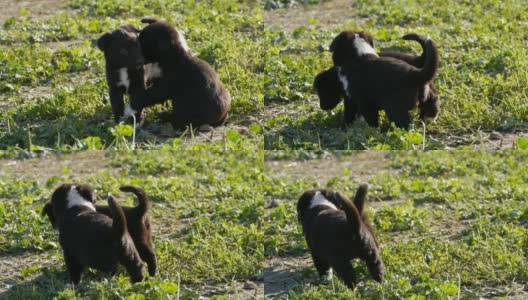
[198,96]
[429,103]
[372,83]
[91,239]
[330,89]
[337,231]
[138,224]
[125,72]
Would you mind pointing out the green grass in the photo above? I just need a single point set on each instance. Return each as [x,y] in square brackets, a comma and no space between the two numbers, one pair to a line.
[451,224]
[481,83]
[206,211]
[56,54]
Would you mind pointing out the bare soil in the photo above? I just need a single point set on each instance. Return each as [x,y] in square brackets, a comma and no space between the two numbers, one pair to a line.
[329,14]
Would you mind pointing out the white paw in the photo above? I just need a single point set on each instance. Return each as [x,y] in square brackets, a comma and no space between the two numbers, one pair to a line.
[129,111]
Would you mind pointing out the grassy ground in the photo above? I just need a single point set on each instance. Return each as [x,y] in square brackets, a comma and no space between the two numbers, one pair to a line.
[53,91]
[206,211]
[451,224]
[482,78]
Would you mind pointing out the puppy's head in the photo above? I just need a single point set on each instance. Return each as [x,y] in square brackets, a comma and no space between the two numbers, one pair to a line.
[160,39]
[328,88]
[122,48]
[430,107]
[68,196]
[349,45]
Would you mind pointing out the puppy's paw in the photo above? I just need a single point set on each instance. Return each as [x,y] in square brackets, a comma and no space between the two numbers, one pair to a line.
[129,111]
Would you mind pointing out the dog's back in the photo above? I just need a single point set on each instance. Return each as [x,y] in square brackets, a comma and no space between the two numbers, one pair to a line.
[337,231]
[88,236]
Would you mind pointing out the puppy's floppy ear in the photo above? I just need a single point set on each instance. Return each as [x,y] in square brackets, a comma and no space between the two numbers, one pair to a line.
[86,192]
[102,42]
[48,210]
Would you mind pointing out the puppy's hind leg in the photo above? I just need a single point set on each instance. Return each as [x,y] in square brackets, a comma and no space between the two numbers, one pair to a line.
[345,271]
[149,256]
[321,266]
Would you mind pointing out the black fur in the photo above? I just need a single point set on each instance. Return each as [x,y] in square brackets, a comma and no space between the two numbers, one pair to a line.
[336,235]
[122,50]
[198,96]
[379,82]
[429,102]
[139,227]
[91,239]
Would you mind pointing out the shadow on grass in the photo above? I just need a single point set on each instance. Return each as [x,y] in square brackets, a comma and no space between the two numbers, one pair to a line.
[44,286]
[279,282]
[321,130]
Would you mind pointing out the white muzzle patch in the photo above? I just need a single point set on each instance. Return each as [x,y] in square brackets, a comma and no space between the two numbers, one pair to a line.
[363,47]
[344,82]
[319,200]
[124,81]
[75,199]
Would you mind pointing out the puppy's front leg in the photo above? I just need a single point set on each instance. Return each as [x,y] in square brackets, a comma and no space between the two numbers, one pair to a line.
[157,93]
[116,100]
[371,115]
[351,110]
[74,268]
[400,116]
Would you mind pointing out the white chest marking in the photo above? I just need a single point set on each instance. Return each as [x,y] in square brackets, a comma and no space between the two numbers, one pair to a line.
[75,199]
[344,81]
[154,71]
[124,81]
[363,47]
[318,199]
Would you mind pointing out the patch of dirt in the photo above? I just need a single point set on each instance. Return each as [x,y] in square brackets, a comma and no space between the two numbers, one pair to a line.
[329,14]
[38,9]
[490,140]
[363,165]
[11,266]
[250,290]
[281,274]
[81,164]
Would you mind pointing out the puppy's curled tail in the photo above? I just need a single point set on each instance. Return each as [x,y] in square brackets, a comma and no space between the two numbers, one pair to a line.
[148,20]
[421,40]
[352,211]
[144,204]
[119,226]
[430,68]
